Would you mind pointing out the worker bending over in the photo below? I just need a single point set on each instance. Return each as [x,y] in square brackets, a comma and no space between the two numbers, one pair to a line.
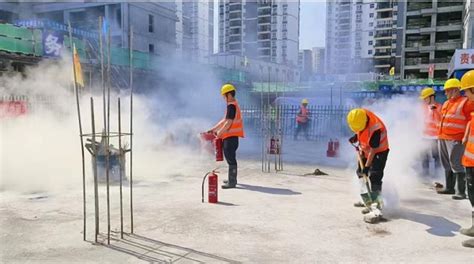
[432,117]
[373,149]
[455,115]
[467,85]
[229,129]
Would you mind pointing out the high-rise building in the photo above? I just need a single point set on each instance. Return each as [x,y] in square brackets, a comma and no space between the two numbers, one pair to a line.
[433,30]
[305,64]
[349,36]
[195,29]
[388,36]
[265,29]
[468,24]
[318,60]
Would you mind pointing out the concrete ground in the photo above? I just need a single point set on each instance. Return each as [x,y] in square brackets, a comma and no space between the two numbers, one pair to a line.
[280,217]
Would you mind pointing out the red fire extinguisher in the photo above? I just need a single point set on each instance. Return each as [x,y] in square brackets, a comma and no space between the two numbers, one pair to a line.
[218,145]
[330,152]
[272,146]
[212,193]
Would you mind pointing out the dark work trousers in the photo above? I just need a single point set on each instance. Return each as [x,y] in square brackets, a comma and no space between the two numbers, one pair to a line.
[230,145]
[304,127]
[431,154]
[376,170]
[470,184]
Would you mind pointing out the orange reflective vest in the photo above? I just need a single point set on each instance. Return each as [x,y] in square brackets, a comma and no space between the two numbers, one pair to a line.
[432,120]
[468,158]
[303,115]
[453,120]
[374,124]
[237,127]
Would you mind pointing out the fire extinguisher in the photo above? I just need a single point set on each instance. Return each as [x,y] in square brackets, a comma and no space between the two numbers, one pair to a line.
[218,145]
[272,145]
[212,193]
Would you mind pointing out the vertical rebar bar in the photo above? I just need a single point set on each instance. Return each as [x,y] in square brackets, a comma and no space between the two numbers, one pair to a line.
[131,128]
[121,155]
[80,132]
[102,74]
[107,163]
[94,167]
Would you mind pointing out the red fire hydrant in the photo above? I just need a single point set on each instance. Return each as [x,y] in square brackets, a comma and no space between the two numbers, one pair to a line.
[212,193]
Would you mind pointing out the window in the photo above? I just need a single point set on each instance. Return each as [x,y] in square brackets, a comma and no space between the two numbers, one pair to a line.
[150,23]
[371,15]
[371,33]
[151,48]
[371,24]
[118,16]
[369,52]
[371,42]
[372,5]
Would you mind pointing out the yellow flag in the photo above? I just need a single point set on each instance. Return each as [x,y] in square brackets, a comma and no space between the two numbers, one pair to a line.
[77,68]
[392,71]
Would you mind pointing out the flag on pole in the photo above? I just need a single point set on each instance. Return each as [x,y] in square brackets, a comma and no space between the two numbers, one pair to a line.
[392,71]
[77,68]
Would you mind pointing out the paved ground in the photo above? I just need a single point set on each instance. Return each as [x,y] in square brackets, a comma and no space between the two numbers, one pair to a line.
[271,218]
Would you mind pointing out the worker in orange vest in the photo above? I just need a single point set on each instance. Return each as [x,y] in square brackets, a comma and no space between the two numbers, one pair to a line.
[230,128]
[302,119]
[455,114]
[373,150]
[432,117]
[467,85]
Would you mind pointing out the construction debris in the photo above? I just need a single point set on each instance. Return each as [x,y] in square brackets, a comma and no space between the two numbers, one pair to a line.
[317,172]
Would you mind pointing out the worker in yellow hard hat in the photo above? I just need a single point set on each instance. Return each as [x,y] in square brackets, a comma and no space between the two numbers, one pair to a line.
[302,119]
[467,85]
[372,150]
[229,129]
[455,115]
[432,118]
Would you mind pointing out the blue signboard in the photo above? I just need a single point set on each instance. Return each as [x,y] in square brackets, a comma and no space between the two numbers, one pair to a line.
[52,43]
[386,88]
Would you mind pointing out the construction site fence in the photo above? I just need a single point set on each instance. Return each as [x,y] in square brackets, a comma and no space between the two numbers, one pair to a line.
[325,122]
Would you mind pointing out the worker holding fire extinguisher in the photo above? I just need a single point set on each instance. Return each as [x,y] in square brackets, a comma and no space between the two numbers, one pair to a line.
[229,129]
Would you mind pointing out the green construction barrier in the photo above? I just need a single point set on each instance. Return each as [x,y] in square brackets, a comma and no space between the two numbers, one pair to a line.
[16,45]
[12,31]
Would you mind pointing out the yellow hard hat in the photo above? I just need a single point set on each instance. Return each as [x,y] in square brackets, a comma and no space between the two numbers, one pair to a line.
[304,101]
[357,119]
[227,88]
[426,92]
[467,80]
[452,83]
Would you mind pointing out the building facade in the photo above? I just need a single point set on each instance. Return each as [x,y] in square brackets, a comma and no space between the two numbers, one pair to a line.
[349,36]
[433,30]
[195,29]
[305,64]
[267,30]
[154,23]
[318,60]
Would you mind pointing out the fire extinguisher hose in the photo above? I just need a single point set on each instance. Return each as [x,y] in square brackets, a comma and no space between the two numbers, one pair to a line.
[202,188]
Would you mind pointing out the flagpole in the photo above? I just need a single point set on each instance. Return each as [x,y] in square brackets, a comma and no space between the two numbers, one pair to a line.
[80,132]
[131,127]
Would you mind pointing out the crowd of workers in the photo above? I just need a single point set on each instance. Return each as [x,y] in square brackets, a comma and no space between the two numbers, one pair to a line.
[448,135]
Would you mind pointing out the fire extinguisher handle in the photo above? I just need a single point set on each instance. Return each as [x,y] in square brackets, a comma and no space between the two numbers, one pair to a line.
[202,187]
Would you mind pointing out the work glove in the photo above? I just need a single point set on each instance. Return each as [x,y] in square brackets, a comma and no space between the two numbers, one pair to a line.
[366,171]
[353,139]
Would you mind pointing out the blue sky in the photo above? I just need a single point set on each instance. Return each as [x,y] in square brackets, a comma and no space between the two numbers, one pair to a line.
[312,24]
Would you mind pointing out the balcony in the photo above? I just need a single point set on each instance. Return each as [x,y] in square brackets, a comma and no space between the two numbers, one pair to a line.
[451,45]
[418,6]
[416,61]
[383,34]
[381,7]
[382,55]
[384,25]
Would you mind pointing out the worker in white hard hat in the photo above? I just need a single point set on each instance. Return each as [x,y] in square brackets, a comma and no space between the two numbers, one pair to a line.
[302,119]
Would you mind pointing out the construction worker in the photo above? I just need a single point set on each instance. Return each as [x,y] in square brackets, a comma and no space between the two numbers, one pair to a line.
[467,85]
[229,129]
[302,119]
[432,117]
[455,115]
[373,149]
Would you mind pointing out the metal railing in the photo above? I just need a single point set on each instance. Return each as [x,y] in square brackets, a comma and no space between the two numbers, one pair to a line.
[325,121]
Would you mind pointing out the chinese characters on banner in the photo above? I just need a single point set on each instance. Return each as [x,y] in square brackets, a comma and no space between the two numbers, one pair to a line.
[52,43]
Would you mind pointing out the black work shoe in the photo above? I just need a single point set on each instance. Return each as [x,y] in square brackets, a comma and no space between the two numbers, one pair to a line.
[467,231]
[446,191]
[459,197]
[228,186]
[468,243]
